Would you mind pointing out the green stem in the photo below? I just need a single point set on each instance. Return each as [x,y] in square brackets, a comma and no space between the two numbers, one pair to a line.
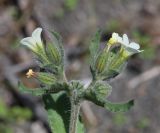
[64,77]
[75,107]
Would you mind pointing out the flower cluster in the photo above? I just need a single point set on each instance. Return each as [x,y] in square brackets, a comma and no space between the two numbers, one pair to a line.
[128,48]
[104,65]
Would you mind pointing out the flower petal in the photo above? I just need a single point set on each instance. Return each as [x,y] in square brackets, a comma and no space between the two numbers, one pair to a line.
[29,42]
[125,39]
[115,35]
[134,45]
[37,35]
[119,39]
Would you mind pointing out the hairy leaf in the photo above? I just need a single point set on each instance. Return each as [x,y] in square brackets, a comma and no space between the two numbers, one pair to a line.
[58,107]
[55,119]
[55,88]
[34,92]
[119,107]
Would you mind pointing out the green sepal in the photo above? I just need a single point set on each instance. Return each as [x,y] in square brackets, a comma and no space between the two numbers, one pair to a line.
[46,78]
[115,65]
[53,69]
[101,62]
[118,107]
[41,56]
[53,54]
[102,90]
[113,72]
[77,87]
[76,84]
[58,42]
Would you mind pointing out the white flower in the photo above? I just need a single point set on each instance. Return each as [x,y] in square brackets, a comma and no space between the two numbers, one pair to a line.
[34,42]
[115,39]
[130,48]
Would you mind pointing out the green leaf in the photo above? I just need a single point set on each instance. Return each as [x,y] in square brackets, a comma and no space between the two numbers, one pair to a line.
[118,107]
[55,120]
[55,88]
[94,47]
[33,91]
[58,107]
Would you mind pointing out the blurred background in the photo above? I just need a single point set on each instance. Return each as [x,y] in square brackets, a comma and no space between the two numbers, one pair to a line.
[77,21]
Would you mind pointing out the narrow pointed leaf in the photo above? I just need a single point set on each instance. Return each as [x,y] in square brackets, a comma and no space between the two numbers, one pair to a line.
[94,52]
[34,92]
[94,45]
[55,88]
[119,107]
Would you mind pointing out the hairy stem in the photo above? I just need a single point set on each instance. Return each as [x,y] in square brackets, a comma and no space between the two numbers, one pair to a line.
[75,107]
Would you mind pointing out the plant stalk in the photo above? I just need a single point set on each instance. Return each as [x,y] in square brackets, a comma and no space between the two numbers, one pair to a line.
[75,107]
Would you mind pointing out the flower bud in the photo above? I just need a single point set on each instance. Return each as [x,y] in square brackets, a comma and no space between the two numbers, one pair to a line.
[102,90]
[45,78]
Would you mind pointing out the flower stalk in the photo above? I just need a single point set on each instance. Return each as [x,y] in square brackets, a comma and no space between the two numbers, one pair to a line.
[75,108]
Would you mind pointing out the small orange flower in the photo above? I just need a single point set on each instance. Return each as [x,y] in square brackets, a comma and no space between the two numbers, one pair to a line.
[30,73]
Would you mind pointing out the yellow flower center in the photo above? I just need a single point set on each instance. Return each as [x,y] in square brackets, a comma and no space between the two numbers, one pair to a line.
[30,73]
[124,53]
[112,41]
